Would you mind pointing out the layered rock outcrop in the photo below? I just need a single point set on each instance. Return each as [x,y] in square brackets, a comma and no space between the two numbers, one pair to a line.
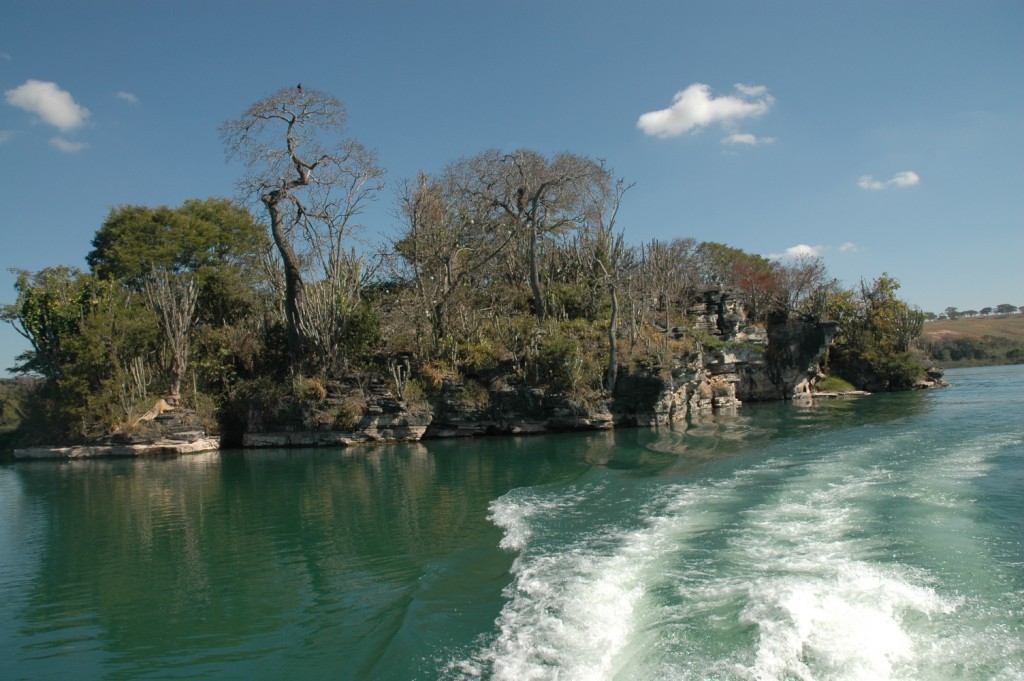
[346,415]
[163,431]
[735,361]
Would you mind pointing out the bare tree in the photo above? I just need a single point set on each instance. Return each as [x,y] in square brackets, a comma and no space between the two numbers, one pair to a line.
[670,273]
[538,197]
[313,182]
[605,254]
[173,299]
[446,245]
[798,282]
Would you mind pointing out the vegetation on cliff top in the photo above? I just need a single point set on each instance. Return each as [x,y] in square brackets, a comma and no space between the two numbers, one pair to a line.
[508,267]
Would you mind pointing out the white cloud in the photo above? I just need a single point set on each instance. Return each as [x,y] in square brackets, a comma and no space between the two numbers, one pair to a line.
[67,146]
[6,57]
[868,182]
[798,251]
[54,106]
[128,97]
[740,138]
[752,90]
[801,251]
[6,135]
[907,178]
[695,107]
[747,139]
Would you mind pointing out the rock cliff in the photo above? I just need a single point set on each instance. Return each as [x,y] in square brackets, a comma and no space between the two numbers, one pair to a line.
[735,362]
[163,431]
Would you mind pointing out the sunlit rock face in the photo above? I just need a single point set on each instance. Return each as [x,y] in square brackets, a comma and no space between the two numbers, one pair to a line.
[733,361]
[752,363]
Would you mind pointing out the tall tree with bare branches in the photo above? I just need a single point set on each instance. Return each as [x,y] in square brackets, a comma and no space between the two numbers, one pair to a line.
[611,257]
[537,197]
[313,182]
[446,244]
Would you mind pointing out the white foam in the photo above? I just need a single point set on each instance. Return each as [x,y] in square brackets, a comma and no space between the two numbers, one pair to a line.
[791,587]
[573,612]
[823,606]
[850,625]
[514,511]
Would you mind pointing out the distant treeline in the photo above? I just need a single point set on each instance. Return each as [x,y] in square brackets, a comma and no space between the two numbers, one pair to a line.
[1002,309]
[965,350]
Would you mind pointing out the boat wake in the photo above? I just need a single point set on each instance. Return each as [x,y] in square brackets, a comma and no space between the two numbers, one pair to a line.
[789,569]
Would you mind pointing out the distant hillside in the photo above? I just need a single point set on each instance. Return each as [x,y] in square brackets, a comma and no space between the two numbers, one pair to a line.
[975,341]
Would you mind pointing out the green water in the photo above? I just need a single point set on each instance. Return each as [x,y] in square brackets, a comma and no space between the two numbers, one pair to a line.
[865,539]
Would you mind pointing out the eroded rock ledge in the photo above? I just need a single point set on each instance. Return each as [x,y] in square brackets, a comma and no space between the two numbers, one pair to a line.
[163,431]
[158,448]
[738,363]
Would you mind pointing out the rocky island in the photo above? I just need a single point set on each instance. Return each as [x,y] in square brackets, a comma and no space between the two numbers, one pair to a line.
[507,301]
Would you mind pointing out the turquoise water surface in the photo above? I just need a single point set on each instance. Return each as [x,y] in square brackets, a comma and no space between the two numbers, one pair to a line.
[871,538]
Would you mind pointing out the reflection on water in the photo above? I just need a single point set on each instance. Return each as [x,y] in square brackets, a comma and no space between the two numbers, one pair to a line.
[353,562]
[220,552]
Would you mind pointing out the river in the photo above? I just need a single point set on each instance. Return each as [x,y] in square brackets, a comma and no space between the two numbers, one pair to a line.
[871,538]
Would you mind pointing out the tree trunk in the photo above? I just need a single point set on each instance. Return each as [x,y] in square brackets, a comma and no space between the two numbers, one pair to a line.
[293,286]
[611,375]
[538,296]
[439,323]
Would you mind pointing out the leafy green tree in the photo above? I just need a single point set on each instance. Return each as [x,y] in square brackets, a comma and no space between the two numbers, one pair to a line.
[200,236]
[50,309]
[1005,309]
[92,341]
[217,241]
[110,376]
[876,334]
[203,262]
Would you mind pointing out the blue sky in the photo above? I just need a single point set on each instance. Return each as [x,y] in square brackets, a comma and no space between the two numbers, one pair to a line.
[885,135]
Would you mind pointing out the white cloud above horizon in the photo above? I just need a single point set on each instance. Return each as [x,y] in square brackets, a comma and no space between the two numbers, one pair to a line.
[798,251]
[50,103]
[747,139]
[808,251]
[129,97]
[906,178]
[67,146]
[696,107]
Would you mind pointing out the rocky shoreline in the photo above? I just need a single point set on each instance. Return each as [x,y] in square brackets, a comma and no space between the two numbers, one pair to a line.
[158,448]
[738,364]
[163,431]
